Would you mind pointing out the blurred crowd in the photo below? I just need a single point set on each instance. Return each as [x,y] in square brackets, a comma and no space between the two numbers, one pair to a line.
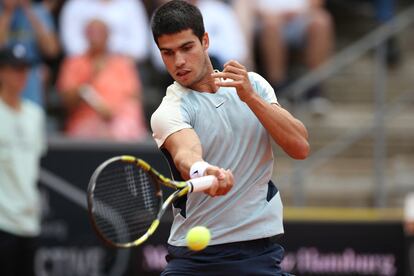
[96,72]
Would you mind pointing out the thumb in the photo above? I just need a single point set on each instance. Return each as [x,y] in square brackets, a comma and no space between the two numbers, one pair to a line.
[220,174]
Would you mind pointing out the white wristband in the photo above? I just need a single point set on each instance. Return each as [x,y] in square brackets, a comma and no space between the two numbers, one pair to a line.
[198,169]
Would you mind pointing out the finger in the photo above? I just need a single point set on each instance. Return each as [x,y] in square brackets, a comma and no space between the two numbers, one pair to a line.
[220,174]
[215,187]
[235,70]
[228,83]
[234,63]
[221,191]
[229,181]
[227,184]
[231,177]
[222,180]
[212,191]
[226,75]
[222,187]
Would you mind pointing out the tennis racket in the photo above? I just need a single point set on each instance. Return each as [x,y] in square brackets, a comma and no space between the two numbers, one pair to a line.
[125,201]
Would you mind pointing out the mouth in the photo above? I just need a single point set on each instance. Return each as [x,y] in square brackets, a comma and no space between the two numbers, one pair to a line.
[182,73]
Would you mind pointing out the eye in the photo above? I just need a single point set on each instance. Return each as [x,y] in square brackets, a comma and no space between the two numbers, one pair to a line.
[167,53]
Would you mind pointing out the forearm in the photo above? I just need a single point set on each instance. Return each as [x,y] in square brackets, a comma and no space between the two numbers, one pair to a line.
[287,131]
[5,18]
[47,40]
[185,149]
[71,98]
[184,160]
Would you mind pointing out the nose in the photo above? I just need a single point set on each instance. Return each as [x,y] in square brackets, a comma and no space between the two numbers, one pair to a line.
[179,59]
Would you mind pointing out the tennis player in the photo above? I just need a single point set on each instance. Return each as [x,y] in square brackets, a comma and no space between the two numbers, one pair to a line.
[221,123]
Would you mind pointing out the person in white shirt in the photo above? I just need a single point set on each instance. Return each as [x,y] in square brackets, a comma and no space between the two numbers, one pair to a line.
[295,24]
[221,124]
[228,41]
[22,143]
[280,26]
[127,20]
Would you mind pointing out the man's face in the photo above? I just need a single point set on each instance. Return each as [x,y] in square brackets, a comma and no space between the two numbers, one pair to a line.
[185,57]
[97,34]
[13,78]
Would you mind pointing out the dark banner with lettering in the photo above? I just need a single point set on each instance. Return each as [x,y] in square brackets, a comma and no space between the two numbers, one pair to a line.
[69,247]
[345,248]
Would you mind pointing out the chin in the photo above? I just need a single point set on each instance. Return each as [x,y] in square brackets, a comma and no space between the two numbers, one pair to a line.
[185,83]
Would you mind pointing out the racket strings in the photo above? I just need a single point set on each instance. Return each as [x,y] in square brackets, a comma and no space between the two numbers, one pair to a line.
[125,202]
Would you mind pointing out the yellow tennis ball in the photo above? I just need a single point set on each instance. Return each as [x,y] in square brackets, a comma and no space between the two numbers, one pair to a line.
[198,238]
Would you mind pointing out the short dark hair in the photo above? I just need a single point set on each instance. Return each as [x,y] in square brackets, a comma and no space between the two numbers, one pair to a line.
[176,16]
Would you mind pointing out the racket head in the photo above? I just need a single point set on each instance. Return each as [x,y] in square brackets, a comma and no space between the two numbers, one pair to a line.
[124,201]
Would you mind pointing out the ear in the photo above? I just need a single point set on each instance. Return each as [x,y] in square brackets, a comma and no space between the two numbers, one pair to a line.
[205,41]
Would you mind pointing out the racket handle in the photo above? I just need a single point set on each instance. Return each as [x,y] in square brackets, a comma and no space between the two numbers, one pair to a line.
[201,183]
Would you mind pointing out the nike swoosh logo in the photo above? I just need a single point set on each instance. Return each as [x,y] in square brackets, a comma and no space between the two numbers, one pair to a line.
[219,104]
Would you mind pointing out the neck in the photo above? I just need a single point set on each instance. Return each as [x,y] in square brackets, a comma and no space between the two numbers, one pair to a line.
[97,52]
[206,83]
[11,99]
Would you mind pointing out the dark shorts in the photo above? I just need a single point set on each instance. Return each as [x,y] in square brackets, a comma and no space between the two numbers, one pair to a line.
[256,258]
[16,255]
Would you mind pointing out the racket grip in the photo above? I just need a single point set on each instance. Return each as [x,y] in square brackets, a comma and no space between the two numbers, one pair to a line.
[201,183]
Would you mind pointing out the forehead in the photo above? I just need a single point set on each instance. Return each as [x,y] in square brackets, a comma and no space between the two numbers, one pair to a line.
[96,24]
[171,41]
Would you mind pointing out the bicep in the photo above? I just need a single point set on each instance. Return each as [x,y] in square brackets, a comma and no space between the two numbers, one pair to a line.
[263,88]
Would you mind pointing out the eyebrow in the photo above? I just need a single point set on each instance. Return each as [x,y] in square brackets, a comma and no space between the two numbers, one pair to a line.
[181,46]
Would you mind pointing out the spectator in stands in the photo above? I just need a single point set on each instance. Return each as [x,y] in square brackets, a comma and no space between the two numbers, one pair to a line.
[22,142]
[101,91]
[22,22]
[227,39]
[301,24]
[126,19]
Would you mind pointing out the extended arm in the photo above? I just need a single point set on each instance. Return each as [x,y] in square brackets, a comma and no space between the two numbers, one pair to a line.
[185,149]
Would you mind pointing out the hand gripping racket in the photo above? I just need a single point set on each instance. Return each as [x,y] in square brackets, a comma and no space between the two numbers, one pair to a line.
[125,201]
